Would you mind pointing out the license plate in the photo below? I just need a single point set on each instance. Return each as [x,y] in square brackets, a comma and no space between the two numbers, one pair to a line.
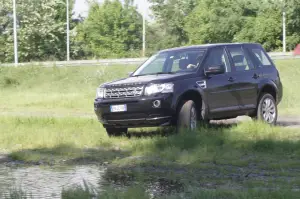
[118,108]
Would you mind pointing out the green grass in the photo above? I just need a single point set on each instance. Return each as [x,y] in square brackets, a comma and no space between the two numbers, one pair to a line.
[71,90]
[226,161]
[139,192]
[249,155]
[191,193]
[55,90]
[289,73]
[76,138]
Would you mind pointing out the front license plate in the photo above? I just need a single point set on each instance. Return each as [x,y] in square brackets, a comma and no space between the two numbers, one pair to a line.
[118,108]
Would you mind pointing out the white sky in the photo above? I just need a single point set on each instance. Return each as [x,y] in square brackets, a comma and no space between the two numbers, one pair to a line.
[81,7]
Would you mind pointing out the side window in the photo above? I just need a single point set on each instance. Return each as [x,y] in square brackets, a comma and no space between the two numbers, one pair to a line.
[261,57]
[217,56]
[186,60]
[240,61]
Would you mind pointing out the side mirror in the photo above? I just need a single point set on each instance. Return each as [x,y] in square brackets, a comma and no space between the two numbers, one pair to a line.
[214,70]
[130,73]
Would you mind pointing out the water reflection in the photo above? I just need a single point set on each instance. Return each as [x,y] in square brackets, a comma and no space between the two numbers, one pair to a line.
[48,182]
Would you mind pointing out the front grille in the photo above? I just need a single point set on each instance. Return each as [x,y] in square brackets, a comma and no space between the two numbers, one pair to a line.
[116,93]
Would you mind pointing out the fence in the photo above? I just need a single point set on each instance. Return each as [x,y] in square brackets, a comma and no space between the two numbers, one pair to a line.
[128,61]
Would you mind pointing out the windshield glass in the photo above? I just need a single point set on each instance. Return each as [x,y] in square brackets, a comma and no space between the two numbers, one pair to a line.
[172,62]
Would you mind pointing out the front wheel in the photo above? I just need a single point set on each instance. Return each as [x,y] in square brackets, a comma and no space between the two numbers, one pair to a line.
[267,109]
[188,116]
[116,131]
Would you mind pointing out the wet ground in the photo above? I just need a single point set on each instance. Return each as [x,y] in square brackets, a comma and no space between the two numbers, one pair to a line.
[47,182]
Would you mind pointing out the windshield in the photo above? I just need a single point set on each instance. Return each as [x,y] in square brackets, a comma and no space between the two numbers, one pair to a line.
[172,62]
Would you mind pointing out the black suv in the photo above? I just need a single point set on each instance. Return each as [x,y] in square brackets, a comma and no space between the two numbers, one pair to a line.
[184,86]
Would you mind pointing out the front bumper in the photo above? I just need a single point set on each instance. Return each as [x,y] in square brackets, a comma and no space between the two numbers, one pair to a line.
[140,112]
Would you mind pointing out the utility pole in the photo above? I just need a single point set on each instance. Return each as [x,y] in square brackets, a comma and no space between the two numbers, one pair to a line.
[284,30]
[15,32]
[68,31]
[284,26]
[144,29]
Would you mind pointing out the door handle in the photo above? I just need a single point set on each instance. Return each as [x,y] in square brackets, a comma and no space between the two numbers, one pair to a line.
[231,79]
[255,76]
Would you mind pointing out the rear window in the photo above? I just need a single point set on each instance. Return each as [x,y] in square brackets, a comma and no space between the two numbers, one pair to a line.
[261,57]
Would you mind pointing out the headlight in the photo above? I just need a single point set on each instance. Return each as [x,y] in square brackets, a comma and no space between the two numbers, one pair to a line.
[100,93]
[159,88]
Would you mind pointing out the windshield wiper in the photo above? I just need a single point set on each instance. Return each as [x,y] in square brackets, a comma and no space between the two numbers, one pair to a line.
[160,73]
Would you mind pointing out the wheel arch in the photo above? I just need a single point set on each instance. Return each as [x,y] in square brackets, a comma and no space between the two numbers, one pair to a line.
[270,88]
[197,97]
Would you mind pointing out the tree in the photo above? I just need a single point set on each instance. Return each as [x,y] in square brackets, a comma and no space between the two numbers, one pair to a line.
[292,8]
[214,21]
[171,14]
[158,38]
[111,30]
[265,29]
[41,29]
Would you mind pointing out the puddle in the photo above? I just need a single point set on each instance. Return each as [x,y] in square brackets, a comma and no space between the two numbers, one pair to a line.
[48,182]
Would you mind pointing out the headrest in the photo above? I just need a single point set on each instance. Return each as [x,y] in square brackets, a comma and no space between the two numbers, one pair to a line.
[238,58]
[183,63]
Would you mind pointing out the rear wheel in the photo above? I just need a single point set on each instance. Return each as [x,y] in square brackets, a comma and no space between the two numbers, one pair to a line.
[188,116]
[267,109]
[116,131]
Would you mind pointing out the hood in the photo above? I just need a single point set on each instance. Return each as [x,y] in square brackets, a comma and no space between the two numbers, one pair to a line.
[142,80]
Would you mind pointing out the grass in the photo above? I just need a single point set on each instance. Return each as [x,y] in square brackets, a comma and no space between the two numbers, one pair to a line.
[60,138]
[248,160]
[289,73]
[191,193]
[139,192]
[54,90]
[250,155]
[71,90]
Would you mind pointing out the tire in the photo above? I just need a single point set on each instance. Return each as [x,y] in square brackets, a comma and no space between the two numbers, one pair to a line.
[267,109]
[187,116]
[115,132]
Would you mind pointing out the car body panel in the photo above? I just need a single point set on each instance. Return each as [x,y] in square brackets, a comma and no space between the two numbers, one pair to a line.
[224,96]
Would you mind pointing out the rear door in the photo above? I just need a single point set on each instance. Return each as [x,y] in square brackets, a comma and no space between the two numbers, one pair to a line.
[218,90]
[245,77]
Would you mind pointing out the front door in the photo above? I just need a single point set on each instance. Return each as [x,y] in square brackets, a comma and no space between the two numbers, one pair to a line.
[218,90]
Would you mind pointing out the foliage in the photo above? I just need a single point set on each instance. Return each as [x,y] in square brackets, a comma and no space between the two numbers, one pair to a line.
[214,21]
[158,38]
[41,30]
[111,30]
[170,14]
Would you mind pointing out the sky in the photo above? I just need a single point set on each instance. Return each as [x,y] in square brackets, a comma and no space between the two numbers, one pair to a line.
[81,7]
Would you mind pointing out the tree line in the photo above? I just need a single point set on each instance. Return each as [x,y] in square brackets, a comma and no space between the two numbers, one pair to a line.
[113,29]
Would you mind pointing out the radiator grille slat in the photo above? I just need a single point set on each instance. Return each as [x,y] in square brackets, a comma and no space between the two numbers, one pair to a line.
[117,93]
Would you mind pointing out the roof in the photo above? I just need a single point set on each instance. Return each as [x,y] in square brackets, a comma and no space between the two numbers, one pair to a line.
[204,46]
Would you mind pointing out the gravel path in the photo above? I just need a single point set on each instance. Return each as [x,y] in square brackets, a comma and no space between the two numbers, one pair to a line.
[283,121]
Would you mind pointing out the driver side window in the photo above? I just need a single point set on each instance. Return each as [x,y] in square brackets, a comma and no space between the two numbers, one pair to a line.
[217,57]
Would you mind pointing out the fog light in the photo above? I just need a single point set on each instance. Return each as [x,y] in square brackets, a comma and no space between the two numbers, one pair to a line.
[157,104]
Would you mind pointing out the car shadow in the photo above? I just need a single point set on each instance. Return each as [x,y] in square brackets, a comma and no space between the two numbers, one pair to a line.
[161,132]
[165,132]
